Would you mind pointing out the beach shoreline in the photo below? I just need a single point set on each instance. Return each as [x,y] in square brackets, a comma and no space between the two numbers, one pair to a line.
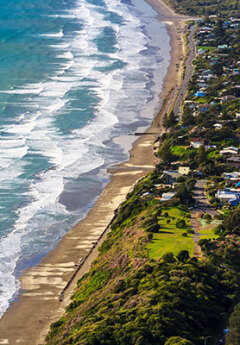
[42,300]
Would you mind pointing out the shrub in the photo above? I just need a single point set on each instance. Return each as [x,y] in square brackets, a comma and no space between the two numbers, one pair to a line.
[190,231]
[120,286]
[232,222]
[150,237]
[178,341]
[153,228]
[184,234]
[180,223]
[208,217]
[183,255]
[168,257]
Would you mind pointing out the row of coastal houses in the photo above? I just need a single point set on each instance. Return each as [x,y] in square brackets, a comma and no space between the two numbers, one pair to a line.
[214,62]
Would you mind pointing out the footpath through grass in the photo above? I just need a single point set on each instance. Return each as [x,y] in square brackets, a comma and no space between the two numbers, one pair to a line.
[170,238]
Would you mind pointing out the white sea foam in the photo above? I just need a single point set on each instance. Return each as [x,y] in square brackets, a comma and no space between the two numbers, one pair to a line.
[22,91]
[67,55]
[53,35]
[59,46]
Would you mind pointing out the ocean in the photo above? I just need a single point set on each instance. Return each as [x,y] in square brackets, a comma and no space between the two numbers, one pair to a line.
[75,76]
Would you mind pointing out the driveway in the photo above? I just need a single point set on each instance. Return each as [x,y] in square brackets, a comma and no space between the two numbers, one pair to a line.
[202,206]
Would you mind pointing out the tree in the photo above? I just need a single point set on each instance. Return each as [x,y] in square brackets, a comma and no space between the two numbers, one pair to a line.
[208,217]
[231,222]
[181,223]
[201,155]
[183,255]
[187,118]
[165,153]
[168,257]
[184,194]
[178,341]
[233,338]
[218,69]
[169,120]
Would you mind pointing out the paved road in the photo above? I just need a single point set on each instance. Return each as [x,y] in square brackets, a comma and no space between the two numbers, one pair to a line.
[188,70]
[202,205]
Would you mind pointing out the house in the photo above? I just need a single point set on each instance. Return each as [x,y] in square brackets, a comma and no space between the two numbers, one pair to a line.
[206,72]
[200,94]
[208,76]
[223,46]
[162,186]
[237,115]
[233,176]
[167,196]
[206,28]
[234,148]
[229,151]
[217,125]
[233,161]
[183,170]
[198,142]
[201,51]
[146,194]
[226,195]
[190,104]
[228,98]
[170,176]
[197,173]
[193,130]
[202,85]
[234,202]
[203,107]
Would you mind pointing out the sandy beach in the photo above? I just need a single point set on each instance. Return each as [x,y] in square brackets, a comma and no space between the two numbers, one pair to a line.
[46,288]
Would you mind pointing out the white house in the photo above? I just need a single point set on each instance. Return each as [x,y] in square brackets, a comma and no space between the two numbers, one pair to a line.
[167,196]
[229,151]
[183,170]
[235,175]
[198,142]
[217,125]
[226,195]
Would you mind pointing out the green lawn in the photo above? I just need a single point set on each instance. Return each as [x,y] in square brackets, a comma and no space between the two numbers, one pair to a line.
[207,48]
[170,238]
[178,150]
[182,151]
[200,100]
[214,154]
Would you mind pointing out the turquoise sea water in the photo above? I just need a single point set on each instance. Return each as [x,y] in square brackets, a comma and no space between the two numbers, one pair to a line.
[74,76]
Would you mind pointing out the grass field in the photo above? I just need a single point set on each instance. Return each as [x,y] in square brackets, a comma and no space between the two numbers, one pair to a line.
[182,151]
[170,238]
[207,48]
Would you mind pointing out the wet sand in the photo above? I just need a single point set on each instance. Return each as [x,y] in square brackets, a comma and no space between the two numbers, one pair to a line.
[46,288]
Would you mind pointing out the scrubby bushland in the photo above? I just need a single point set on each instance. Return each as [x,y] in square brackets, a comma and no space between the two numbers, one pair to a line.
[205,7]
[128,298]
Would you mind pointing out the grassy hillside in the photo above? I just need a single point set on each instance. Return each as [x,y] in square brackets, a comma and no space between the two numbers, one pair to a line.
[130,298]
[205,7]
